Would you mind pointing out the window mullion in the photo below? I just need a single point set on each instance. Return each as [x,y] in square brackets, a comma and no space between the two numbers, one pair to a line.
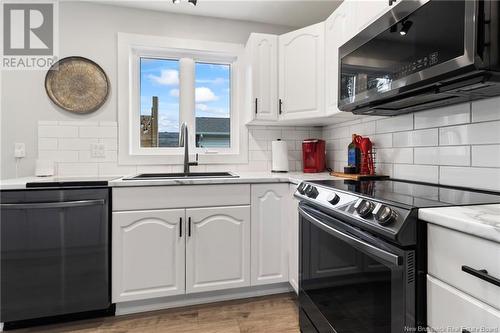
[187,97]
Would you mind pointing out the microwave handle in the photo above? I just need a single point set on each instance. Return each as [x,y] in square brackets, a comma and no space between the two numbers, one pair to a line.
[359,244]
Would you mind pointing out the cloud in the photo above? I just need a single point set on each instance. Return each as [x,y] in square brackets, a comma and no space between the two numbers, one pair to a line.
[208,111]
[204,94]
[168,77]
[218,80]
[167,122]
[174,92]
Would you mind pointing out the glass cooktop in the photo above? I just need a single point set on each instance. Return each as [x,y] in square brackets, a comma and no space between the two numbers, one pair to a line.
[419,195]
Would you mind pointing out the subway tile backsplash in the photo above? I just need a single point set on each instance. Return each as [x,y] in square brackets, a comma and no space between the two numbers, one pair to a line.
[68,144]
[456,145]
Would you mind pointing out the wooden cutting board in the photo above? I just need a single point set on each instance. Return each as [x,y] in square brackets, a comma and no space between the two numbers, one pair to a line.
[357,176]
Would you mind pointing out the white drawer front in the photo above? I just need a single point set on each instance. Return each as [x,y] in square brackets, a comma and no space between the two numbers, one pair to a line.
[449,250]
[450,310]
[164,197]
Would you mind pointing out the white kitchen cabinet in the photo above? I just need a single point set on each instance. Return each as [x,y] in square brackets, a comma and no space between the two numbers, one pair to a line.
[262,50]
[269,233]
[449,307]
[148,254]
[301,73]
[335,30]
[217,248]
[365,12]
[293,232]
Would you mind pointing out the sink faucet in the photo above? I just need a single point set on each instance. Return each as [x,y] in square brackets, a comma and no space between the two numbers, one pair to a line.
[183,141]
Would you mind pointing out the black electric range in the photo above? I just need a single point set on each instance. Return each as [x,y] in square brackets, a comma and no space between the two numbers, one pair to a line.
[363,254]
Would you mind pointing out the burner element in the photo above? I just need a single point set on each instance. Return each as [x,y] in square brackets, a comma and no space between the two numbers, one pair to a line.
[364,207]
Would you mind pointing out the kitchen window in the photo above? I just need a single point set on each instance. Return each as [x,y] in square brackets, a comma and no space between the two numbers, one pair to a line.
[171,81]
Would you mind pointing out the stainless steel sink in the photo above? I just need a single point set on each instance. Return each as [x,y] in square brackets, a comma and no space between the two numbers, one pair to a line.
[181,175]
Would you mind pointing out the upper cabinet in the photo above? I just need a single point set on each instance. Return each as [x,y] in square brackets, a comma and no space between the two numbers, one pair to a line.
[301,73]
[263,54]
[335,30]
[366,11]
[294,77]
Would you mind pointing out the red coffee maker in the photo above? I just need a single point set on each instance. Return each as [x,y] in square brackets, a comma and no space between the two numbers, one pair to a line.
[313,155]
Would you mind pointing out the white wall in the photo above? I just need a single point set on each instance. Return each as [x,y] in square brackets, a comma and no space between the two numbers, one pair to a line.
[90,30]
[457,145]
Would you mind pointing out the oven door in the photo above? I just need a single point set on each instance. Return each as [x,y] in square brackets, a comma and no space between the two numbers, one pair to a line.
[351,281]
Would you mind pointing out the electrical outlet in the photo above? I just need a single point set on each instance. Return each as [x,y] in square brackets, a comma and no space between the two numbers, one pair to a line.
[97,150]
[19,150]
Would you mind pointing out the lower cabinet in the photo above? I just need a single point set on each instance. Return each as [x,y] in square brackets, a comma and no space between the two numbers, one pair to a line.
[448,307]
[293,240]
[270,204]
[217,248]
[166,252]
[148,254]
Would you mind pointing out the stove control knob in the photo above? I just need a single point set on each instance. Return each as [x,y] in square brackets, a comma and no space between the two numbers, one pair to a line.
[385,215]
[304,189]
[365,208]
[301,188]
[333,198]
[312,192]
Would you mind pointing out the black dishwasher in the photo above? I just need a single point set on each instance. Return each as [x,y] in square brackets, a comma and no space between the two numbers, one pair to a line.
[55,253]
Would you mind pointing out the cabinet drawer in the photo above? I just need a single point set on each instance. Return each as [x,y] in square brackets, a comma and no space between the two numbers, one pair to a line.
[450,310]
[450,250]
[164,197]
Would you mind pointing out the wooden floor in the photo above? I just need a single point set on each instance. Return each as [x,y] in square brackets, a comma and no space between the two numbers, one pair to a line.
[276,314]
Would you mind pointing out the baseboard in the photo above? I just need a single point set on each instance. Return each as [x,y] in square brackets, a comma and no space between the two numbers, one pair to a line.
[200,298]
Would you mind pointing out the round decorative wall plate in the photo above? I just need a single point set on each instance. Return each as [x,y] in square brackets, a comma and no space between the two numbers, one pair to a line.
[77,84]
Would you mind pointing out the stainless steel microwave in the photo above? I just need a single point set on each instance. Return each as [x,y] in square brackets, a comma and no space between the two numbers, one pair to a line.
[422,54]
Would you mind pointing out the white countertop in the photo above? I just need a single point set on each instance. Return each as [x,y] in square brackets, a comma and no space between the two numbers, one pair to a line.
[245,177]
[481,221]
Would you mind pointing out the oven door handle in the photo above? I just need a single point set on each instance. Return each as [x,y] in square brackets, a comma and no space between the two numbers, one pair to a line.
[359,244]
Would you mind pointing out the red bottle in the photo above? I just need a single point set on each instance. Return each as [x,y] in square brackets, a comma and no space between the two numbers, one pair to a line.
[313,155]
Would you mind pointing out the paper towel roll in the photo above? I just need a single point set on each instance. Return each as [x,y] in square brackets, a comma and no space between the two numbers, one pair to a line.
[280,156]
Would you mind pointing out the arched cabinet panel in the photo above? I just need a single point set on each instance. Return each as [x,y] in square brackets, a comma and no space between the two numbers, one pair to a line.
[217,248]
[148,254]
[269,233]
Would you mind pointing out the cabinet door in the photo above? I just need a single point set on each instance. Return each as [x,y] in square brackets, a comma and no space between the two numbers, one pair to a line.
[367,11]
[148,254]
[217,248]
[334,32]
[301,73]
[293,236]
[264,61]
[269,234]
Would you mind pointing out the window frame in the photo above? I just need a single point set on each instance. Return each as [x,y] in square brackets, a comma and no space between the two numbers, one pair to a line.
[131,48]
